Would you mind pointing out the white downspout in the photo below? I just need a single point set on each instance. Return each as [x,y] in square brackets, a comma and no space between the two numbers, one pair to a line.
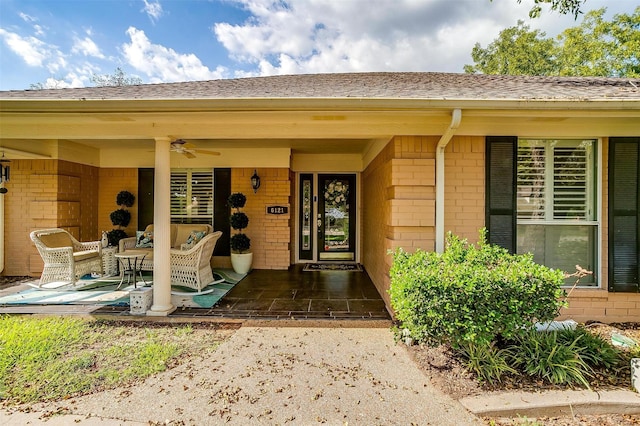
[456,116]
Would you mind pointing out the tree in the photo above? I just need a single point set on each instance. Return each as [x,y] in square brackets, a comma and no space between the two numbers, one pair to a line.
[560,6]
[601,48]
[594,48]
[118,78]
[517,51]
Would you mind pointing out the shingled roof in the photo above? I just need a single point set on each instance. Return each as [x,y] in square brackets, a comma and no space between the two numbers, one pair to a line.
[436,86]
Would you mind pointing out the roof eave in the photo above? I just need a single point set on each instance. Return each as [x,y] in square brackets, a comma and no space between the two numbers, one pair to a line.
[23,105]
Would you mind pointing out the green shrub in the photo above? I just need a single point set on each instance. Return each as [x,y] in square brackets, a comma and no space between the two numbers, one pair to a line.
[471,293]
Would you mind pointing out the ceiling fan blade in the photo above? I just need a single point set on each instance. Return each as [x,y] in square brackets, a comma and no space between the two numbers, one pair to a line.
[202,151]
[188,154]
[188,145]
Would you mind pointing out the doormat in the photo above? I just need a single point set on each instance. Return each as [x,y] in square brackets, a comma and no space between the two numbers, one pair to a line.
[333,267]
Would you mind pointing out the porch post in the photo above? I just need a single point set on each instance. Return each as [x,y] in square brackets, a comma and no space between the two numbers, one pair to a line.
[161,231]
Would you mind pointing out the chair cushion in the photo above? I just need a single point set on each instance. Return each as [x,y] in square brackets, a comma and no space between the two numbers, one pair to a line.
[195,236]
[184,231]
[56,240]
[144,239]
[84,255]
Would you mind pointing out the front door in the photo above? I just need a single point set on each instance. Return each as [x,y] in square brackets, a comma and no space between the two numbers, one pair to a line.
[327,217]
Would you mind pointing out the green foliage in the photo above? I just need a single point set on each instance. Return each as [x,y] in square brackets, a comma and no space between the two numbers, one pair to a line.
[517,51]
[595,351]
[543,355]
[488,362]
[594,48]
[55,358]
[239,220]
[120,217]
[115,235]
[471,293]
[125,198]
[561,6]
[240,243]
[566,357]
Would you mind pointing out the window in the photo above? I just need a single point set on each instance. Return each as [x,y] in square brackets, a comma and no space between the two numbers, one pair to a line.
[192,196]
[556,203]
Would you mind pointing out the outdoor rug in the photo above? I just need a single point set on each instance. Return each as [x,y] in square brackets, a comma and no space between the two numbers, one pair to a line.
[103,291]
[333,267]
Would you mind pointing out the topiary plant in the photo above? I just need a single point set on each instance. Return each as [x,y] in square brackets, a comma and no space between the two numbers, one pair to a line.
[240,243]
[472,293]
[125,198]
[120,217]
[237,200]
[115,235]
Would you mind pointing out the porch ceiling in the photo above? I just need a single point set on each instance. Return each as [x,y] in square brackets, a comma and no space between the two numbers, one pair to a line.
[301,146]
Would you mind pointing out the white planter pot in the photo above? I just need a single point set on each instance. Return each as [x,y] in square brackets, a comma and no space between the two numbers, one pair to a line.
[241,262]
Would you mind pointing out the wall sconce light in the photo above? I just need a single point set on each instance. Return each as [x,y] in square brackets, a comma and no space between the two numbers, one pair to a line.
[255,181]
[4,173]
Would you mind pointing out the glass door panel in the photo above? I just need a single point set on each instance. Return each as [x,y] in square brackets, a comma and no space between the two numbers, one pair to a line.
[336,217]
[307,231]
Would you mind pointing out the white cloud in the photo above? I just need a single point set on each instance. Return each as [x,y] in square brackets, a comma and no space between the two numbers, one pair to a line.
[33,51]
[308,36]
[153,9]
[162,64]
[86,47]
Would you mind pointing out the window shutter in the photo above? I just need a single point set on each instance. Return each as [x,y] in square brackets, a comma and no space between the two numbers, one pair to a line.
[623,214]
[500,202]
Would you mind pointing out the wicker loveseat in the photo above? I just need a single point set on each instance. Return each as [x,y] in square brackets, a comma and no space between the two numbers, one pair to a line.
[180,233]
[65,258]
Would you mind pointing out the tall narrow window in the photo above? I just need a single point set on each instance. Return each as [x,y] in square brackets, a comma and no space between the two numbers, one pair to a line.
[556,203]
[192,196]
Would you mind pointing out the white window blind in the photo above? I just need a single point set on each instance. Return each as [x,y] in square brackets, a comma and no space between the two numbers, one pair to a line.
[192,196]
[555,180]
[556,210]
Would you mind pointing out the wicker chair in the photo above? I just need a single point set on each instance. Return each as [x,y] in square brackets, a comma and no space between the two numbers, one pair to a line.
[65,258]
[192,268]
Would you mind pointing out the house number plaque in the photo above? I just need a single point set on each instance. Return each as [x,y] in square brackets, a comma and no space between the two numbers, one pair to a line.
[277,209]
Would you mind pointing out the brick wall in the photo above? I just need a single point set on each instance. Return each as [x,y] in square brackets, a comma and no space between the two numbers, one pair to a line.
[270,234]
[464,186]
[399,198]
[46,194]
[111,182]
[398,204]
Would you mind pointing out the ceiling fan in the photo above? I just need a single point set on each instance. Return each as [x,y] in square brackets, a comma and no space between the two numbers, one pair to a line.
[188,149]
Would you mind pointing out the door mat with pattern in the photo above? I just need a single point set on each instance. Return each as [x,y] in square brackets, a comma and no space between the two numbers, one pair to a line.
[333,267]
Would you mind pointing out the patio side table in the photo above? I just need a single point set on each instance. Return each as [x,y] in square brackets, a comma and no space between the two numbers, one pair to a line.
[130,265]
[109,261]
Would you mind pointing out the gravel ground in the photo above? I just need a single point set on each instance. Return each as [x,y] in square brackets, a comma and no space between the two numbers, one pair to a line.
[349,376]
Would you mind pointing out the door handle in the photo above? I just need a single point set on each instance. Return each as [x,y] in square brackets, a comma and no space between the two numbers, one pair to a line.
[319,226]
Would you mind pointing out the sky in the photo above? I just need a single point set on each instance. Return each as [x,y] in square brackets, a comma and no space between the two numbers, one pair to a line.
[63,43]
